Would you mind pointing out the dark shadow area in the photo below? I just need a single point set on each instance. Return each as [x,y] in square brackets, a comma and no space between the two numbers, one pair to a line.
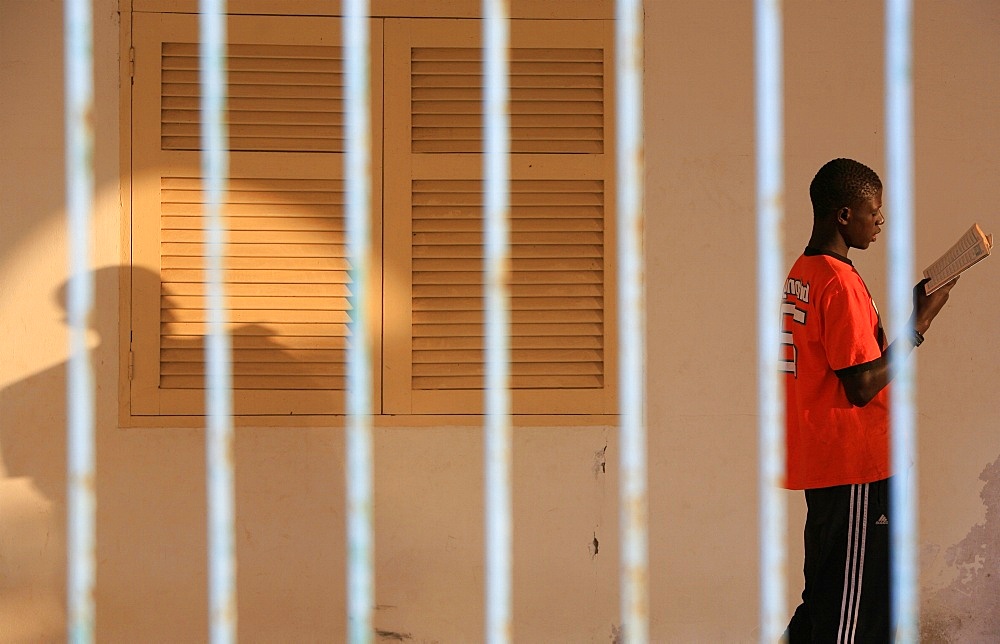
[151,508]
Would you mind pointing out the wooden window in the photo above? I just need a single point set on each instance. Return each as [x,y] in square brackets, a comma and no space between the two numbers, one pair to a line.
[287,275]
[561,231]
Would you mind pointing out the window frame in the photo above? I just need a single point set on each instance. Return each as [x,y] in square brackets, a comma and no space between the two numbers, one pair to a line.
[599,10]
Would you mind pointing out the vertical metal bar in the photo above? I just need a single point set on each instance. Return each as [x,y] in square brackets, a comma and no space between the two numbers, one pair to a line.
[218,354]
[496,40]
[360,539]
[79,66]
[899,157]
[770,199]
[632,320]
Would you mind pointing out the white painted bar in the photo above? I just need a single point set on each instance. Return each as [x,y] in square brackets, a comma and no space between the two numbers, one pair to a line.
[218,353]
[770,199]
[360,537]
[632,320]
[81,502]
[496,179]
[899,161]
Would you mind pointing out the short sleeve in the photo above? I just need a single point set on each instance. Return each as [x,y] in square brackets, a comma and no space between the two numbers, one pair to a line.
[850,334]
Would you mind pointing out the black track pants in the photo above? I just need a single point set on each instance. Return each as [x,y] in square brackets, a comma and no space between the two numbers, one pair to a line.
[846,596]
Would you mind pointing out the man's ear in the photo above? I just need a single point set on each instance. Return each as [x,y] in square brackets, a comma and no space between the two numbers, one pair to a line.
[843,215]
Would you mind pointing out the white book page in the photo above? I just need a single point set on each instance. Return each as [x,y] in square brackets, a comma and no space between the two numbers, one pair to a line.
[969,249]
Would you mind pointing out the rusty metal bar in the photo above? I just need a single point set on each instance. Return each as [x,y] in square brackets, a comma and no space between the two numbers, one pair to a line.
[218,352]
[81,501]
[497,440]
[360,536]
[771,434]
[903,525]
[632,320]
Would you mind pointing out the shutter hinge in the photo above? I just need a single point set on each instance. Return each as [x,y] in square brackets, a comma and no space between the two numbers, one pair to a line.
[131,364]
[131,64]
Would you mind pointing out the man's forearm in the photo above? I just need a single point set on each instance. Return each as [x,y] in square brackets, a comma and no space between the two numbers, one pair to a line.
[862,386]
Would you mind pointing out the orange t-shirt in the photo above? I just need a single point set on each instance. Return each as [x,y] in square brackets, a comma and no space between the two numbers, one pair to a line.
[829,324]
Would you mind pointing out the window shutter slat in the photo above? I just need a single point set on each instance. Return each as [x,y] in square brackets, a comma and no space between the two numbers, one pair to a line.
[269,303]
[446,101]
[450,298]
[284,97]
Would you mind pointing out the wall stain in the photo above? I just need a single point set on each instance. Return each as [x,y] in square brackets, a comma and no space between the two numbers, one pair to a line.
[968,609]
[393,636]
[600,461]
[594,547]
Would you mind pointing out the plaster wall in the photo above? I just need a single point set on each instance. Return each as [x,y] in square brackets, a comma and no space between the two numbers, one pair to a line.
[151,583]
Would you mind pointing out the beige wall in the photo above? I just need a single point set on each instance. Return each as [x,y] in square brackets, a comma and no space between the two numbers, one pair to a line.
[702,403]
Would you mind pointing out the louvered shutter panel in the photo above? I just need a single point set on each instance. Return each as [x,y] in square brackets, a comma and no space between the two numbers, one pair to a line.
[562,233]
[286,267]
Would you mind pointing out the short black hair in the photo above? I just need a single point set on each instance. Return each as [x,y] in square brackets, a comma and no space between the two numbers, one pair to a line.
[842,182]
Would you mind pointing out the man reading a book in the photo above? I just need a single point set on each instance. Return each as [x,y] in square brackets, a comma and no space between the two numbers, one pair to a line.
[836,363]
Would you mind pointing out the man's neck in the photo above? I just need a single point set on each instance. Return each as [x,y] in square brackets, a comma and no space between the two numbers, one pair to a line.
[828,242]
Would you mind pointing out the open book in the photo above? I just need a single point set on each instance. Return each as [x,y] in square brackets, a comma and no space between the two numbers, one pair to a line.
[971,247]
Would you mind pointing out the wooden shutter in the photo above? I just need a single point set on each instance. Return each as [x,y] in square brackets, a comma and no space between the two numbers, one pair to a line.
[562,223]
[286,276]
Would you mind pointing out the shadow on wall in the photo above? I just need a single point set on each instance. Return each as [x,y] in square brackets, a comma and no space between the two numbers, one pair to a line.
[151,513]
[966,610]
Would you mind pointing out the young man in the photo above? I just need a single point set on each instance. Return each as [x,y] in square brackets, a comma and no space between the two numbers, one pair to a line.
[837,419]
